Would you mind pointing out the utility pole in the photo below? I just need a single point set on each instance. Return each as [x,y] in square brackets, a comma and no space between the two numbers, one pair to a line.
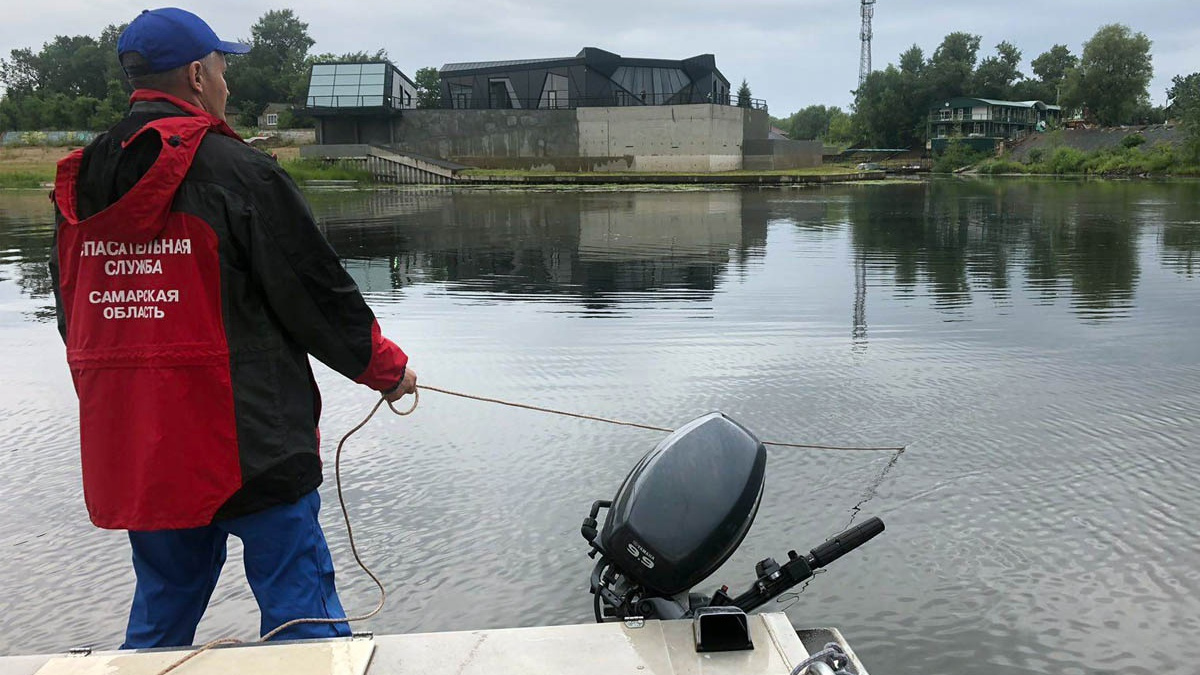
[864,63]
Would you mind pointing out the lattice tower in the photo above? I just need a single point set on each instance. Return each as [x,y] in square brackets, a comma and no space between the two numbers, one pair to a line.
[864,63]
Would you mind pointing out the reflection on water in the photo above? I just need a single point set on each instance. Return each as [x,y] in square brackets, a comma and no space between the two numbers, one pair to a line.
[957,238]
[593,246]
[961,237]
[1035,341]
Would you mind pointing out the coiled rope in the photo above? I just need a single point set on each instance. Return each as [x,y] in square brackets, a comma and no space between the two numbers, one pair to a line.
[337,472]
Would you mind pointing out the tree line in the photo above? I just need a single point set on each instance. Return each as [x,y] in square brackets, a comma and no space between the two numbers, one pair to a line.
[1107,83]
[76,82]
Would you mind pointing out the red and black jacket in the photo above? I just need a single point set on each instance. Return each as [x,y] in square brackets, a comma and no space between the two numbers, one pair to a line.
[191,284]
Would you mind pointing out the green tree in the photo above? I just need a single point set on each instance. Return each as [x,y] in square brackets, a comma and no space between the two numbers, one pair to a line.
[743,95]
[889,110]
[808,124]
[1113,75]
[1051,69]
[349,57]
[275,69]
[912,61]
[880,109]
[841,129]
[817,122]
[21,73]
[952,67]
[996,75]
[280,40]
[111,108]
[915,94]
[1184,97]
[72,82]
[429,87]
[69,67]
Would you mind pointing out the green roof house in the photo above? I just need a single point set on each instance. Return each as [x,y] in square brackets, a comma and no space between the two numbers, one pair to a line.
[983,123]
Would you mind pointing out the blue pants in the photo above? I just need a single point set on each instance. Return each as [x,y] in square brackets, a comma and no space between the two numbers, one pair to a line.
[287,564]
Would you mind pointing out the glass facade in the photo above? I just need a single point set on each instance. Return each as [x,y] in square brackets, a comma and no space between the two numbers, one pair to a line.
[555,92]
[350,85]
[460,95]
[652,85]
[594,77]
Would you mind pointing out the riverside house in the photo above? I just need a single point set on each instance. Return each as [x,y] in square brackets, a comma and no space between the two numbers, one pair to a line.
[983,124]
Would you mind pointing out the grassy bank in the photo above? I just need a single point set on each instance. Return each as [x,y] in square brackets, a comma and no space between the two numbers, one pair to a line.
[28,167]
[1131,158]
[518,173]
[24,180]
[32,168]
[1159,160]
[302,170]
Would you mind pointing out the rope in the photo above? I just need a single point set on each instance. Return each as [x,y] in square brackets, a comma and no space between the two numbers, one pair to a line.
[638,425]
[832,656]
[337,472]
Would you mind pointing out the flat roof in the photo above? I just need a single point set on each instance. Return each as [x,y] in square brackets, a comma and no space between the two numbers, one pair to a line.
[586,56]
[1007,104]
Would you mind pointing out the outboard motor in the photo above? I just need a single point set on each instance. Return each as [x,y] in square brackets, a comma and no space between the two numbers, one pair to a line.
[682,511]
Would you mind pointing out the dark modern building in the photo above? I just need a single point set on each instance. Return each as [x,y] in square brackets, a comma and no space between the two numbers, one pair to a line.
[596,111]
[357,102]
[985,123]
[592,78]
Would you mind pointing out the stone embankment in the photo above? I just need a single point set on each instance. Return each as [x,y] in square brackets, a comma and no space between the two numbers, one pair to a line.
[1091,140]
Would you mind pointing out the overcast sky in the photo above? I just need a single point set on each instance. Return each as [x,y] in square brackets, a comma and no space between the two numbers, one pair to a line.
[793,53]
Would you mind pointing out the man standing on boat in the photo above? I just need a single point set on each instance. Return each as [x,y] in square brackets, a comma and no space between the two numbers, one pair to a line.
[191,284]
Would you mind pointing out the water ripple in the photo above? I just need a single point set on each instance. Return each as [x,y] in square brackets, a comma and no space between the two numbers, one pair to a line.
[1033,342]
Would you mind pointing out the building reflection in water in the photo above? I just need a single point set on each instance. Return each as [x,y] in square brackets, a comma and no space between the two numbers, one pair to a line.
[953,241]
[596,247]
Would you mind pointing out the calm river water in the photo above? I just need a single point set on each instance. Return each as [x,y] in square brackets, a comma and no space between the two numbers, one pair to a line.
[1037,343]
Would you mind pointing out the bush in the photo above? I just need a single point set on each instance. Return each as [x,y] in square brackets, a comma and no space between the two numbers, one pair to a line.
[996,167]
[957,155]
[1036,155]
[1133,141]
[1064,160]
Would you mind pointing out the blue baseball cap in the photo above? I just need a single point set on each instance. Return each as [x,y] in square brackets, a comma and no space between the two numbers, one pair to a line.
[170,37]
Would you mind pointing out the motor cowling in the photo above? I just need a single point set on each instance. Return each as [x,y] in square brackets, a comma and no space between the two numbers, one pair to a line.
[686,506]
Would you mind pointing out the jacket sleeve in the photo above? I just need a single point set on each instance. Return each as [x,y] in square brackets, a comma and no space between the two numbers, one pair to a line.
[54,280]
[306,286]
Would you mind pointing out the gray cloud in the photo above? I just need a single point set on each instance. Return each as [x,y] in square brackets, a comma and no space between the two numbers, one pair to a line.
[793,52]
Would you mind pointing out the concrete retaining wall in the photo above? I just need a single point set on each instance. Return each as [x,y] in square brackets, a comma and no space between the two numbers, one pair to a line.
[685,138]
[700,138]
[779,155]
[46,138]
[493,139]
[756,124]
[292,136]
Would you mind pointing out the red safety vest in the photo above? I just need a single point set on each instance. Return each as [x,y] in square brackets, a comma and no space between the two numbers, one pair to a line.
[141,291]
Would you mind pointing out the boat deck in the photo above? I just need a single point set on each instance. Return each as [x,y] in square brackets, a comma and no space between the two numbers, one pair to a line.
[636,648]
